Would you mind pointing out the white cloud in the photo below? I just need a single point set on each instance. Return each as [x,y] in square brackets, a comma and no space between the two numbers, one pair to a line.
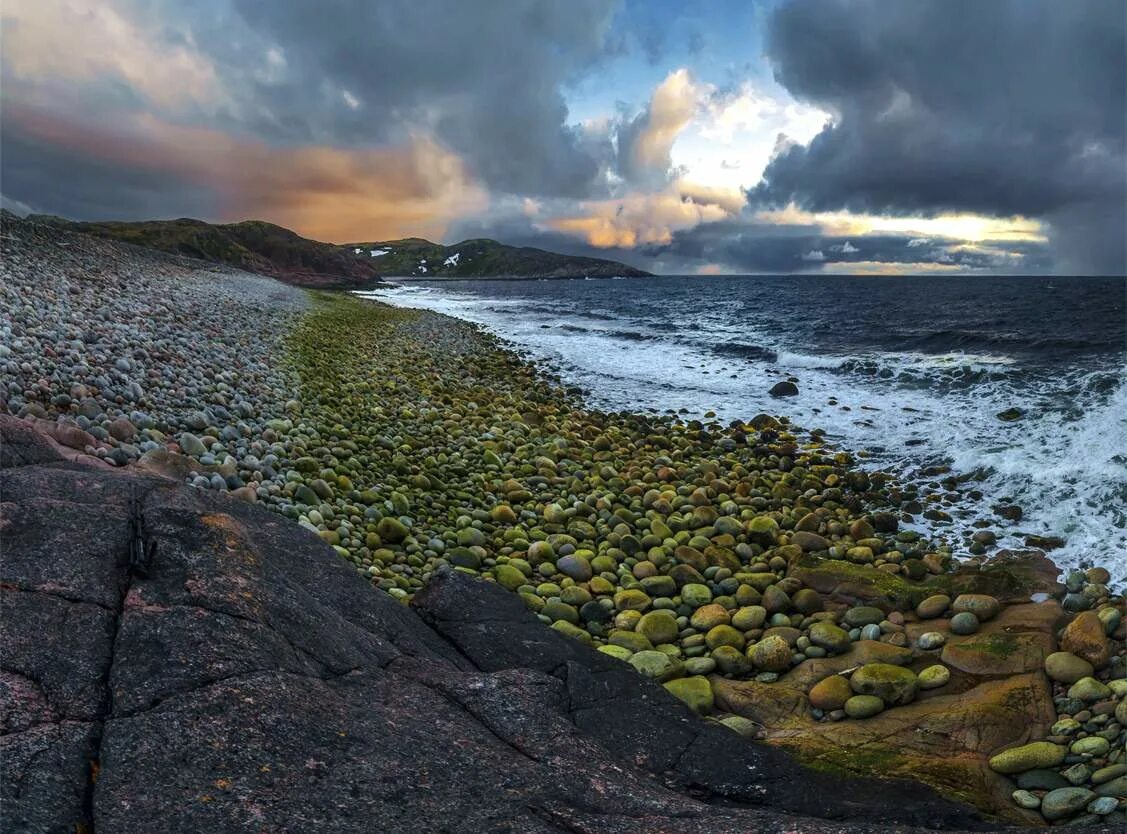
[918,241]
[848,248]
[814,255]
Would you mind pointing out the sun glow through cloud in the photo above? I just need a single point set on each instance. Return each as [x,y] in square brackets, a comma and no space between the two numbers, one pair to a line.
[972,228]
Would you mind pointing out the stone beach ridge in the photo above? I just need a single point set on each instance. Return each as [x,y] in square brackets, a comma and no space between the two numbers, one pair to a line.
[758,576]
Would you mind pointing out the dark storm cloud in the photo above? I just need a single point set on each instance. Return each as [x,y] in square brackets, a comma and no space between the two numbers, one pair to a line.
[1004,107]
[486,77]
[44,176]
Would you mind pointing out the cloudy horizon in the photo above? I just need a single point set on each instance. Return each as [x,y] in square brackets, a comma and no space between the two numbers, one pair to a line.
[837,136]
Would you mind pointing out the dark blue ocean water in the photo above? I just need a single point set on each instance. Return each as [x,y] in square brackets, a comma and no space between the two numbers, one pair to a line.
[910,370]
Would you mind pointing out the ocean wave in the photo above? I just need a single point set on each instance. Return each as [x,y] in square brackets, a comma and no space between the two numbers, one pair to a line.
[746,351]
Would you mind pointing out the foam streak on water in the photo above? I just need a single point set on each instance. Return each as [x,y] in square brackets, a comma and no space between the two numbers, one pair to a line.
[912,384]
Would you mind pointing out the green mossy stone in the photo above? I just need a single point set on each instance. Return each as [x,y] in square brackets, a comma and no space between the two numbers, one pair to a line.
[749,617]
[894,685]
[1089,690]
[509,577]
[695,595]
[709,616]
[771,654]
[561,611]
[1065,667]
[743,726]
[934,677]
[615,651]
[695,692]
[660,586]
[391,530]
[863,615]
[983,606]
[305,495]
[830,637]
[807,601]
[631,640]
[471,537]
[658,627]
[731,661]
[1091,746]
[863,706]
[574,632]
[657,665]
[724,635]
[1036,755]
[631,600]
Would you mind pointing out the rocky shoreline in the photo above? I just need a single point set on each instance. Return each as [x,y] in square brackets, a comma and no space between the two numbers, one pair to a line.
[760,577]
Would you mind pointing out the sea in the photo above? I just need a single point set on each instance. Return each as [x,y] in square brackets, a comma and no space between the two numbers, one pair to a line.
[909,372]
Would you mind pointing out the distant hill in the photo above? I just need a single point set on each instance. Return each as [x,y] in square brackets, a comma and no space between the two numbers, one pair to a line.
[481,258]
[253,245]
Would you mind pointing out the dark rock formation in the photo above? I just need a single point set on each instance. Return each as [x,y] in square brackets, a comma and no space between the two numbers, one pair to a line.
[252,681]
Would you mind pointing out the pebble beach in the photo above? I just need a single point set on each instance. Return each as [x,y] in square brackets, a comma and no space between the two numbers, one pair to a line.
[762,577]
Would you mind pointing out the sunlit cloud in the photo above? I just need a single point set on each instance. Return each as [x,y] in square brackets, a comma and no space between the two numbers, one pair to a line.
[968,227]
[47,43]
[333,194]
[890,268]
[643,218]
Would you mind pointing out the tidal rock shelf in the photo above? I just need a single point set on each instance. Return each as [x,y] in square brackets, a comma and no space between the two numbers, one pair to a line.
[757,576]
[248,680]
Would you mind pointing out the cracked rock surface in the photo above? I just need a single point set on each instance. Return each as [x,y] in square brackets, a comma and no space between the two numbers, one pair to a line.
[252,681]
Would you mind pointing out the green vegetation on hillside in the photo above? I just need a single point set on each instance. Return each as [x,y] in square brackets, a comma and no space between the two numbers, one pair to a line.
[253,245]
[482,258]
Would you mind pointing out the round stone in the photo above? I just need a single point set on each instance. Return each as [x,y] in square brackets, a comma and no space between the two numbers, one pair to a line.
[863,706]
[983,606]
[1037,754]
[892,684]
[695,595]
[863,615]
[1103,805]
[1026,800]
[658,627]
[931,640]
[709,616]
[1064,802]
[830,693]
[771,654]
[1089,690]
[807,601]
[933,606]
[964,622]
[656,665]
[1091,746]
[724,635]
[1065,667]
[509,577]
[749,617]
[192,445]
[934,677]
[575,566]
[830,637]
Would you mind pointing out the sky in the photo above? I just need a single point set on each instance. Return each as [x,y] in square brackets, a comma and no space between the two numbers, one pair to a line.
[689,137]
